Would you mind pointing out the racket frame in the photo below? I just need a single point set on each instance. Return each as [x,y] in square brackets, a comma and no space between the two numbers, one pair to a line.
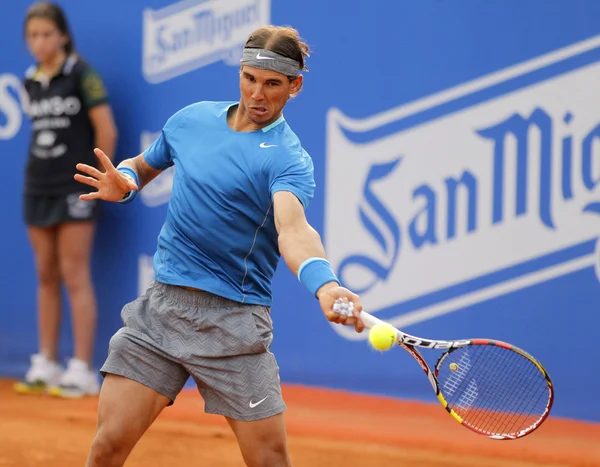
[411,343]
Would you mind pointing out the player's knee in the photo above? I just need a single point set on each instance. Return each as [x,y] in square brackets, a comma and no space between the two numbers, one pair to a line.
[109,448]
[273,453]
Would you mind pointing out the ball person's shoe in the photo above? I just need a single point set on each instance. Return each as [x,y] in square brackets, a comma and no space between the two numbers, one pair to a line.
[77,381]
[42,374]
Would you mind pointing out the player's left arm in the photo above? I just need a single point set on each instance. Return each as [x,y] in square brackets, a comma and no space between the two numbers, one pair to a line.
[99,111]
[299,243]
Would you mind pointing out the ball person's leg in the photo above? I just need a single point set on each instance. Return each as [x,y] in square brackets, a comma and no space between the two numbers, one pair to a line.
[75,242]
[44,243]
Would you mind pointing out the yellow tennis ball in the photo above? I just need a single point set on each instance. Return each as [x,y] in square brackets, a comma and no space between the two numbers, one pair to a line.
[454,366]
[382,336]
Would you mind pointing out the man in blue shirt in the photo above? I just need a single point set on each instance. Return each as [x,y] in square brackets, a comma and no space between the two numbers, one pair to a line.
[240,189]
[227,178]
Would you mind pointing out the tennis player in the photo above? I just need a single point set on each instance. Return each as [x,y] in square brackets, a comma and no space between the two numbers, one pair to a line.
[242,183]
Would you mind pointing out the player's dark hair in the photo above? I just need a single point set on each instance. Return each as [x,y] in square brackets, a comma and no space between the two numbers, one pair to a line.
[54,13]
[283,40]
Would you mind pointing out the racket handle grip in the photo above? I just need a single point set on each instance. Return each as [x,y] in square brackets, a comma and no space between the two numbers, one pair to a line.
[370,320]
[346,308]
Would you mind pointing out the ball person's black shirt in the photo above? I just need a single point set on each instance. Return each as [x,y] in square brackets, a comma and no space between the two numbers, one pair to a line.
[62,134]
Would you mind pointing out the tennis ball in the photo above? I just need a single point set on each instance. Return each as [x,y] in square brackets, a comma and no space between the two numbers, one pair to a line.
[454,366]
[382,336]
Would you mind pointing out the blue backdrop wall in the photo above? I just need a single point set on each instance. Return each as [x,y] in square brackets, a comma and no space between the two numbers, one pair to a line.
[457,156]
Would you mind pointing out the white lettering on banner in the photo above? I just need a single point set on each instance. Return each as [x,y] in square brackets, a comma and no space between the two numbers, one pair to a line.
[194,33]
[469,194]
[158,191]
[10,107]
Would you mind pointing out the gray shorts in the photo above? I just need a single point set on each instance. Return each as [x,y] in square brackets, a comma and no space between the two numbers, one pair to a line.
[171,333]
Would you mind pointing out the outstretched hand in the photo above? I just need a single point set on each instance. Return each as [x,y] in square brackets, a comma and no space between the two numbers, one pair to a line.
[112,185]
[329,295]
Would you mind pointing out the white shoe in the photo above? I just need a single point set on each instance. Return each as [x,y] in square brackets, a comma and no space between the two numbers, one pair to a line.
[42,374]
[77,381]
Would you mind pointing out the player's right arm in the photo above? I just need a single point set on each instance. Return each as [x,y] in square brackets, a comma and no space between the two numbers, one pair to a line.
[123,182]
[145,171]
[114,184]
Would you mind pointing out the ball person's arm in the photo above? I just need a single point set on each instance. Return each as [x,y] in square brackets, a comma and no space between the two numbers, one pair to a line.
[299,241]
[105,130]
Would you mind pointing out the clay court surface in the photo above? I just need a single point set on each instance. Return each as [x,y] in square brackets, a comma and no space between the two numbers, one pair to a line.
[325,429]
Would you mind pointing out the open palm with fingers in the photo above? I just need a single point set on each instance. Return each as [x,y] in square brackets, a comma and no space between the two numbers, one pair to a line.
[112,185]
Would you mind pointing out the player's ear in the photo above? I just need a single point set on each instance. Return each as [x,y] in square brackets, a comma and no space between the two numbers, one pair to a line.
[296,85]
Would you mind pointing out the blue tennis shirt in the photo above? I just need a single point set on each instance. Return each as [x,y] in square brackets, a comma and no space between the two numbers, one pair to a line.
[219,234]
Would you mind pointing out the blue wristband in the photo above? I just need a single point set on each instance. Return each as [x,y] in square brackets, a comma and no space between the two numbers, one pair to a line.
[315,273]
[129,197]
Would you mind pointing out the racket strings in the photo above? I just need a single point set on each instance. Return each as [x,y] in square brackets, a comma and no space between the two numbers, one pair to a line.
[500,420]
[515,393]
[527,395]
[521,397]
[493,389]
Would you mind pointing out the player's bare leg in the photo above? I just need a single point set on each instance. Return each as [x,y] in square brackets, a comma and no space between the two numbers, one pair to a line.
[126,410]
[263,442]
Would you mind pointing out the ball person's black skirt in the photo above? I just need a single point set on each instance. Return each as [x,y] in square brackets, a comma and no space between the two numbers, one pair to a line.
[48,211]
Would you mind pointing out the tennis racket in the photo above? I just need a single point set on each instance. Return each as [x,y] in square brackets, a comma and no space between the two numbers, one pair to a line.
[491,387]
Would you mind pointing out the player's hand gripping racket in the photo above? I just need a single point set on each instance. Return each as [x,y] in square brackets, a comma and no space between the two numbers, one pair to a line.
[493,388]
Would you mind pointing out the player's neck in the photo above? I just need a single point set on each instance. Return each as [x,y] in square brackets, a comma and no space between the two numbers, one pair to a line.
[238,120]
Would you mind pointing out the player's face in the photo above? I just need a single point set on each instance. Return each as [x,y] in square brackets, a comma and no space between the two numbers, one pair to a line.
[264,93]
[44,39]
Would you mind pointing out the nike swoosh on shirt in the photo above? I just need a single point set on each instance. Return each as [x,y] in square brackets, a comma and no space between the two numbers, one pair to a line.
[264,145]
[254,404]
[260,57]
